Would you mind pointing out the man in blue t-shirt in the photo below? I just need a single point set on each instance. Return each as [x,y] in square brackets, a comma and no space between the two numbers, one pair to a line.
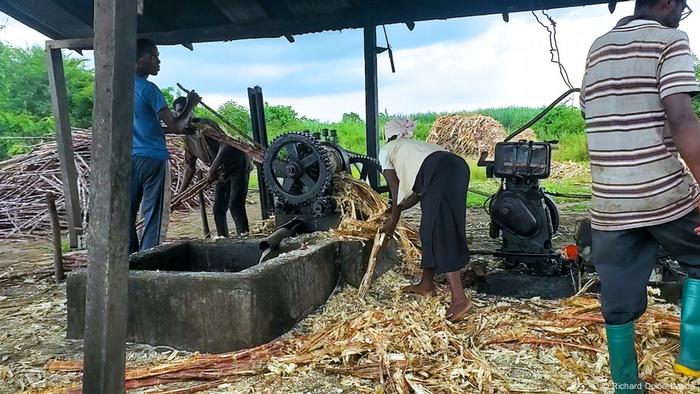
[149,155]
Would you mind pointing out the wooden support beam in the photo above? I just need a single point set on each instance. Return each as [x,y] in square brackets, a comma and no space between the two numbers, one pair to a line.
[371,98]
[55,238]
[108,262]
[64,143]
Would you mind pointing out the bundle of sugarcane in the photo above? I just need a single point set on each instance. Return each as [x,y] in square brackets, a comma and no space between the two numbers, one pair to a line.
[75,260]
[214,131]
[25,180]
[363,213]
[198,367]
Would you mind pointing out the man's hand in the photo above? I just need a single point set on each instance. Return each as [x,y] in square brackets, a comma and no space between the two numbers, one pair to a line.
[193,98]
[190,129]
[390,225]
[211,175]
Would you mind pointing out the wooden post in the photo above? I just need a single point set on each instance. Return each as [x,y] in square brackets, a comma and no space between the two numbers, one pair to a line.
[64,143]
[371,98]
[108,263]
[55,238]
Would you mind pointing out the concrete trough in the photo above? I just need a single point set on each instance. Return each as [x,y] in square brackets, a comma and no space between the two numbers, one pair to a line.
[213,296]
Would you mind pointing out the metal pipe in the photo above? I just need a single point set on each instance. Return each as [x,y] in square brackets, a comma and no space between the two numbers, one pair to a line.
[273,241]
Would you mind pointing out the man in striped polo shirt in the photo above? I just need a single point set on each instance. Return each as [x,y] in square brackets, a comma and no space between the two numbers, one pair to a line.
[636,98]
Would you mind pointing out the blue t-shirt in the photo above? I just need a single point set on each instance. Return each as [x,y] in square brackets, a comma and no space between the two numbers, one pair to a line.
[148,139]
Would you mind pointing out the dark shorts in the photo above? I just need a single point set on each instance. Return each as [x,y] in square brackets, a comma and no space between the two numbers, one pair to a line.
[625,260]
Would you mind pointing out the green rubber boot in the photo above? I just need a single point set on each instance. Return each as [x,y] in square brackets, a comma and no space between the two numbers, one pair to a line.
[623,358]
[688,361]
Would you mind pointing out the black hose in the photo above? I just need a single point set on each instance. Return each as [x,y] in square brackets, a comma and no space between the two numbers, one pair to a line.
[541,114]
[569,195]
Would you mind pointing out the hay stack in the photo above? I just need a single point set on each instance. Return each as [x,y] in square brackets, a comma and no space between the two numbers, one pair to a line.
[469,135]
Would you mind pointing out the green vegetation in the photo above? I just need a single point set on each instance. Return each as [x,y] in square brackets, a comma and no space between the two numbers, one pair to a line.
[25,110]
[25,103]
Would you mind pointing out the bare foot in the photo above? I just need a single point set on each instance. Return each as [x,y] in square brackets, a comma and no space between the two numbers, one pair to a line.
[458,312]
[419,289]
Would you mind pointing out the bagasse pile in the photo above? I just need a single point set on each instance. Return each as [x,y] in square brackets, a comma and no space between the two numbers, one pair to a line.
[25,179]
[469,135]
[396,343]
[403,344]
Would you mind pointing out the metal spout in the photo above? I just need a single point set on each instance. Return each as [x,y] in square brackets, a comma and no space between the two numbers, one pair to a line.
[289,229]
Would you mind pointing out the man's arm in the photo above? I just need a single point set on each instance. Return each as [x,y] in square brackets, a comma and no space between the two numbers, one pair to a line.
[685,130]
[392,221]
[392,181]
[216,163]
[409,202]
[190,167]
[177,125]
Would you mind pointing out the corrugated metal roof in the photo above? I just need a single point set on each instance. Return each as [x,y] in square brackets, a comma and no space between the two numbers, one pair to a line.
[185,21]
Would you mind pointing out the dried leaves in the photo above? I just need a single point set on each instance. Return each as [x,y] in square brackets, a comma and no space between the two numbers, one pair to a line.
[364,211]
[469,135]
[404,344]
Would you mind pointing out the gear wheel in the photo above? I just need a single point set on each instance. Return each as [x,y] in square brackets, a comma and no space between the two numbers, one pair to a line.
[297,168]
[367,164]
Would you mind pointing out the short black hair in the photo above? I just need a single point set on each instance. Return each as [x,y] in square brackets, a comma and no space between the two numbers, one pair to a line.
[144,46]
[180,100]
[644,3]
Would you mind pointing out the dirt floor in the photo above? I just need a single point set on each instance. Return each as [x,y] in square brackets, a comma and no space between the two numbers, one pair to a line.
[33,310]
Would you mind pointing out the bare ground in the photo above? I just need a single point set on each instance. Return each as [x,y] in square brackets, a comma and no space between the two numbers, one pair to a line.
[33,310]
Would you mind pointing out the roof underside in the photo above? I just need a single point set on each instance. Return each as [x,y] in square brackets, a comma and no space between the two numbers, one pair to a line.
[186,21]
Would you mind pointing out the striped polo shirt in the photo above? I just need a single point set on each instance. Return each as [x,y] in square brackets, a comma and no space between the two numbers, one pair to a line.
[638,179]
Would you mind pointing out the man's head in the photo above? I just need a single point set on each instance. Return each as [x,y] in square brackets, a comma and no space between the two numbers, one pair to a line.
[399,128]
[179,105]
[667,12]
[147,61]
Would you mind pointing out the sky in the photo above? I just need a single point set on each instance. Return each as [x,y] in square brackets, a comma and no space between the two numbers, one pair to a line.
[441,66]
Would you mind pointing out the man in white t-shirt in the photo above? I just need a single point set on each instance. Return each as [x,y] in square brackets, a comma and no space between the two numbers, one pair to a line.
[418,171]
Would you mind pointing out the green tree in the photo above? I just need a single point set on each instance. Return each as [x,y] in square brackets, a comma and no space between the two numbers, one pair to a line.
[351,117]
[280,118]
[237,115]
[170,93]
[25,103]
[561,121]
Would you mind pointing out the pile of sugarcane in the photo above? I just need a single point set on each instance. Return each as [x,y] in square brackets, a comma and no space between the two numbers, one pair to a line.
[363,213]
[25,180]
[469,135]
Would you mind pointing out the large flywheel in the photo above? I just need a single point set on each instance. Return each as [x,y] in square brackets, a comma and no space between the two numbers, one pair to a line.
[297,168]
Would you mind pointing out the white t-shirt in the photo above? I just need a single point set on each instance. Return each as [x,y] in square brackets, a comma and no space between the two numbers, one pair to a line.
[406,156]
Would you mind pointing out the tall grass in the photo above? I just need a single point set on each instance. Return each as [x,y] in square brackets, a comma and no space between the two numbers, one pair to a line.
[563,123]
